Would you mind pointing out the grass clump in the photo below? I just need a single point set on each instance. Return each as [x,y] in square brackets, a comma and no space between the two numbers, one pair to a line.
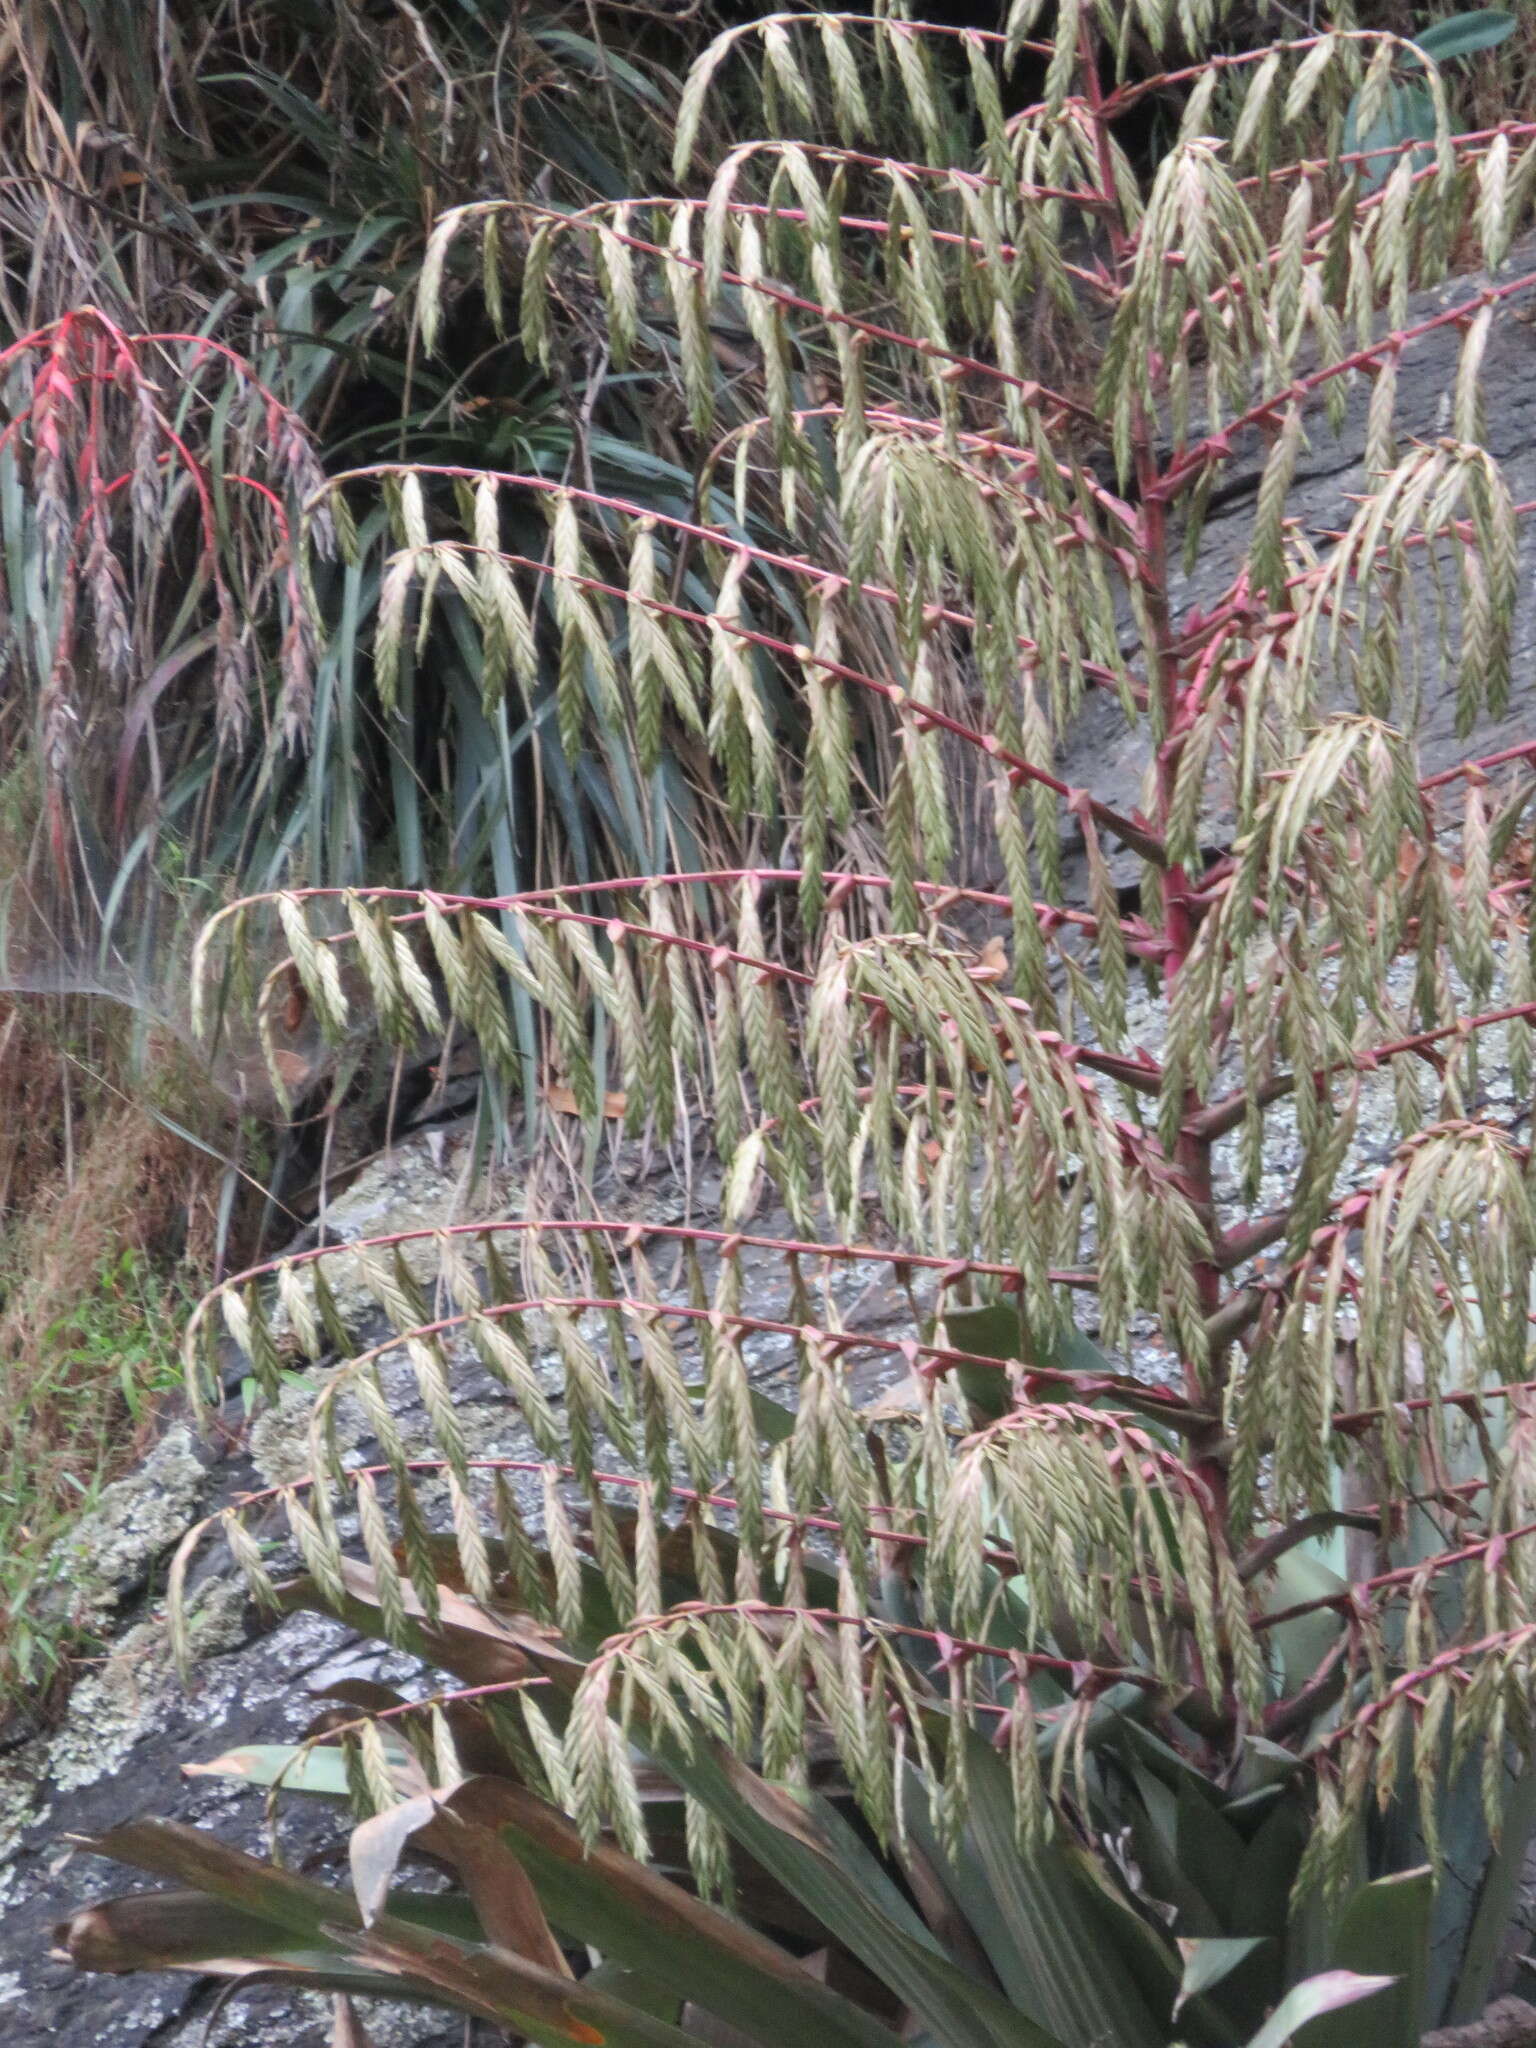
[108,1221]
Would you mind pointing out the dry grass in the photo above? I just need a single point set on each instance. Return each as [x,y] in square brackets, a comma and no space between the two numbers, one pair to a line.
[1500,84]
[108,1222]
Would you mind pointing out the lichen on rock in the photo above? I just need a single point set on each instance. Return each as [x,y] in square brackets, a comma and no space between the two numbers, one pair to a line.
[424,1183]
[110,1550]
[113,1708]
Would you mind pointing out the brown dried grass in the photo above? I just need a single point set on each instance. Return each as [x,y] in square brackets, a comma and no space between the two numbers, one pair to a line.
[108,1222]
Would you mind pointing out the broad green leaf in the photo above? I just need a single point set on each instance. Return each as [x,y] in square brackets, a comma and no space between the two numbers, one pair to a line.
[1465,1851]
[514,1993]
[801,1840]
[997,1330]
[1460,34]
[419,1961]
[1408,116]
[650,1994]
[1502,1876]
[190,1930]
[1385,1927]
[628,1911]
[775,1422]
[1264,1882]
[1329,1992]
[809,1850]
[1210,1850]
[1167,1764]
[1265,1766]
[181,1930]
[296,1767]
[1154,1841]
[1208,1960]
[1057,1953]
[193,1856]
[1301,1644]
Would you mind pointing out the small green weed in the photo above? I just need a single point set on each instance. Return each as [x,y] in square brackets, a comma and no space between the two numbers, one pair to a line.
[72,1414]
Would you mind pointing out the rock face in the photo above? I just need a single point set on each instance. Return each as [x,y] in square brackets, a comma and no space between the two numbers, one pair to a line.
[1110,757]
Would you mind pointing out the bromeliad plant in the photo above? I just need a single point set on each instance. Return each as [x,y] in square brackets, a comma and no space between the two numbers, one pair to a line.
[1126,1617]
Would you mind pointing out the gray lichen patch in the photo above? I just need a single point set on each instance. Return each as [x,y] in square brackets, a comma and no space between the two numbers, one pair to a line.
[301,2018]
[21,1788]
[279,1441]
[136,1520]
[114,1708]
[422,1184]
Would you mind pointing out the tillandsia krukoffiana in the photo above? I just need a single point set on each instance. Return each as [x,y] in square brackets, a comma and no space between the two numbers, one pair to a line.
[1134,1616]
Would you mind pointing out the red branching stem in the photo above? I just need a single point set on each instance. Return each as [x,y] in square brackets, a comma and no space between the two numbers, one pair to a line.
[1353,1599]
[1192,1157]
[1127,95]
[128,345]
[949,1646]
[1216,1118]
[1450,529]
[943,896]
[1523,750]
[931,1361]
[951,1271]
[1138,1148]
[1410,1682]
[451,1696]
[1141,1072]
[839,153]
[250,483]
[1469,1400]
[1349,1599]
[983,445]
[829,1525]
[1317,234]
[893,26]
[1420,1040]
[869,224]
[1463,142]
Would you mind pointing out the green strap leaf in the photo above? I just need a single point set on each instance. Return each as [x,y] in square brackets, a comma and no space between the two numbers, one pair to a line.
[1058,1955]
[1385,1927]
[1327,1993]
[804,1845]
[1209,1959]
[628,1911]
[1460,34]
